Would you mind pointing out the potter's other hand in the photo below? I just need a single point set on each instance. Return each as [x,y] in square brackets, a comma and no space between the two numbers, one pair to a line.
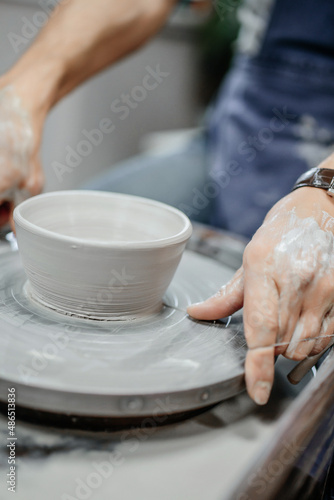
[20,170]
[286,286]
[56,63]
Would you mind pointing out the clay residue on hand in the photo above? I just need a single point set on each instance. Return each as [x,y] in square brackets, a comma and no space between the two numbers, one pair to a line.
[16,144]
[305,256]
[309,249]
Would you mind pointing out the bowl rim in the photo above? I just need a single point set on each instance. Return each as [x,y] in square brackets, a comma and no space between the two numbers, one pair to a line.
[180,237]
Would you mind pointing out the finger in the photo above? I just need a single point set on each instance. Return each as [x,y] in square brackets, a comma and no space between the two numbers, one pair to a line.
[316,304]
[261,329]
[259,369]
[290,307]
[303,337]
[35,181]
[32,186]
[228,300]
[326,335]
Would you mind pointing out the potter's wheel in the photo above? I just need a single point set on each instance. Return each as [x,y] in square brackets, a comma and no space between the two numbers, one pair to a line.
[164,364]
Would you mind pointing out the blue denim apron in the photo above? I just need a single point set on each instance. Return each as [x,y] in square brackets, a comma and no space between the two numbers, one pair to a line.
[274,116]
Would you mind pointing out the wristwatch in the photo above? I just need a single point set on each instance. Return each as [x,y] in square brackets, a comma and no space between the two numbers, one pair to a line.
[317,177]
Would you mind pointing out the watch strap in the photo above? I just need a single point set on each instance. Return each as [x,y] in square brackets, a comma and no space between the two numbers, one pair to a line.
[322,178]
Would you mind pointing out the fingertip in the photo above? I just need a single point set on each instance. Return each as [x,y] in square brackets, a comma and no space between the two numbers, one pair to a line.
[259,373]
[261,392]
[207,310]
[225,302]
[35,182]
[199,310]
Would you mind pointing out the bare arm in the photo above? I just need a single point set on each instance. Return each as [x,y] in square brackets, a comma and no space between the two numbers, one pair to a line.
[81,38]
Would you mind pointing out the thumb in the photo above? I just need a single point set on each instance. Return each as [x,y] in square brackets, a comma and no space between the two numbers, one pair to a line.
[28,187]
[228,300]
[33,185]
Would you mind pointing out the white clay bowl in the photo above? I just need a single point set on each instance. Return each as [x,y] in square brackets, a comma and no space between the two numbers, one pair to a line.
[103,256]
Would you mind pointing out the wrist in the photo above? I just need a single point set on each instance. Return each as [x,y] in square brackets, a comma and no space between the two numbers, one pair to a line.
[328,162]
[36,79]
[305,202]
[315,187]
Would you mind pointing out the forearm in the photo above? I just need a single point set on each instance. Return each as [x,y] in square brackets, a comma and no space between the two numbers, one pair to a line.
[80,39]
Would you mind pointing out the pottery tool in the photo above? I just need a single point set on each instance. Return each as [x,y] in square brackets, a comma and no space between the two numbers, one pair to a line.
[304,366]
[301,369]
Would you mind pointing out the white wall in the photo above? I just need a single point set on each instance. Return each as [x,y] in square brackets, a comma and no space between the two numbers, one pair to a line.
[171,105]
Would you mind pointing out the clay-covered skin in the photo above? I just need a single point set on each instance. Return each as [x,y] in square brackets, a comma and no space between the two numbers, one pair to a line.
[20,171]
[55,64]
[286,286]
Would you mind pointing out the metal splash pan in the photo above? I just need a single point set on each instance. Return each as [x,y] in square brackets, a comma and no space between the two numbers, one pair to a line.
[164,364]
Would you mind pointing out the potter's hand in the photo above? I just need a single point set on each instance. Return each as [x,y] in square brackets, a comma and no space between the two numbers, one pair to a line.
[286,285]
[80,38]
[20,170]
